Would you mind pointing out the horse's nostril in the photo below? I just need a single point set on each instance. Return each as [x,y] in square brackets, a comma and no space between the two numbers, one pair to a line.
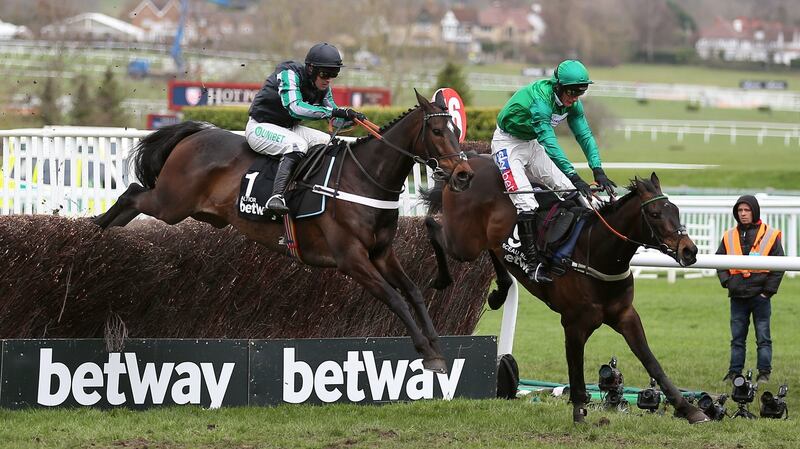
[689,254]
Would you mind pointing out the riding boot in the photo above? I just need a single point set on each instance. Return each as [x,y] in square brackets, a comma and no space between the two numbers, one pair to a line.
[276,203]
[537,264]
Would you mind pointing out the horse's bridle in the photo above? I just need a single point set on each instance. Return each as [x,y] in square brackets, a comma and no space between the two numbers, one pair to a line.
[661,244]
[431,162]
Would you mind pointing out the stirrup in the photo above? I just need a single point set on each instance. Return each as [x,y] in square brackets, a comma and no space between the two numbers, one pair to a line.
[277,204]
[539,275]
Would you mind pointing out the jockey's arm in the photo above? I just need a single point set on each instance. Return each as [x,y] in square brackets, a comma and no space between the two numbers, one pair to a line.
[328,100]
[583,135]
[546,136]
[292,98]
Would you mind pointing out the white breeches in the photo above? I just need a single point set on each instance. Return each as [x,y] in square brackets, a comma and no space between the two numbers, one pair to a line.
[274,140]
[519,162]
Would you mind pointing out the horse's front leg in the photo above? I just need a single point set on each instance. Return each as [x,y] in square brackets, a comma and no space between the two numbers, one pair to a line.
[391,269]
[575,341]
[436,237]
[353,260]
[630,326]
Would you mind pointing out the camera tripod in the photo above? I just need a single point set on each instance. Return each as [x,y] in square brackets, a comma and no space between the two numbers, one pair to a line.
[742,412]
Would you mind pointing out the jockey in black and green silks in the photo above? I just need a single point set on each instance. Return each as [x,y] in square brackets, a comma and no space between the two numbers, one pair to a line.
[294,92]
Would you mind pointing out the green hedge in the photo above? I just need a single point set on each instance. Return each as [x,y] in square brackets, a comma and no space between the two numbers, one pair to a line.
[480,121]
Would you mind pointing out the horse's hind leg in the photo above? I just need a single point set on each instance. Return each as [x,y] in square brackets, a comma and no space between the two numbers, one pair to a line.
[630,326]
[436,237]
[393,272]
[504,281]
[123,211]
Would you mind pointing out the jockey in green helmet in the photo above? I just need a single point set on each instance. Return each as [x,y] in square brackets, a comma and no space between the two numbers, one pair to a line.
[525,145]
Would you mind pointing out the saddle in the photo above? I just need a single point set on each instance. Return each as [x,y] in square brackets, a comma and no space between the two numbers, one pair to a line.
[556,222]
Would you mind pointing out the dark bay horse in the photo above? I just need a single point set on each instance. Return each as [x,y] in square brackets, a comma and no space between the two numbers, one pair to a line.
[195,170]
[482,217]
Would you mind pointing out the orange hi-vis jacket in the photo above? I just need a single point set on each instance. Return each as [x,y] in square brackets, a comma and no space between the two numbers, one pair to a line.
[765,239]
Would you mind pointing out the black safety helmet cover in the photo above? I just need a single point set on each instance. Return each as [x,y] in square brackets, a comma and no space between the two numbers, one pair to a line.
[324,55]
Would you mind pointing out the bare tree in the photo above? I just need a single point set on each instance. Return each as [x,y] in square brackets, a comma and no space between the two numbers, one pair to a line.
[590,31]
[49,12]
[654,24]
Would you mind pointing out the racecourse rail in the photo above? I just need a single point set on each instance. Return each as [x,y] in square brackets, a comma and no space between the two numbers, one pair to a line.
[789,132]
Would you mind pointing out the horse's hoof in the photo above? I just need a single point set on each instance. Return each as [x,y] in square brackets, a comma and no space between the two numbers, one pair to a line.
[496,300]
[698,417]
[579,415]
[437,365]
[440,284]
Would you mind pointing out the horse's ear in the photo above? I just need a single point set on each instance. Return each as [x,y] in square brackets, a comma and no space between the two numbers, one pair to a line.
[655,181]
[422,101]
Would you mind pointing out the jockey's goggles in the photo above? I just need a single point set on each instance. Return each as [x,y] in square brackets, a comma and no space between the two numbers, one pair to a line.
[575,91]
[328,74]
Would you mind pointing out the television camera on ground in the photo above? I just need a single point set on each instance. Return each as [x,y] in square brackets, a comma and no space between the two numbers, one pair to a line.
[611,383]
[774,406]
[744,391]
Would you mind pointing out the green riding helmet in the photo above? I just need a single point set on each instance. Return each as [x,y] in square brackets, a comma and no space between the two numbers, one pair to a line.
[570,73]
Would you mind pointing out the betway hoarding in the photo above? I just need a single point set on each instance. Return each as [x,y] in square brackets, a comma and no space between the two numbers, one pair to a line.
[181,94]
[217,373]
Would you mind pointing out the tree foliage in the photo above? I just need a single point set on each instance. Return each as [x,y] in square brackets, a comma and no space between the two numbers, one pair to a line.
[48,109]
[81,103]
[452,77]
[108,104]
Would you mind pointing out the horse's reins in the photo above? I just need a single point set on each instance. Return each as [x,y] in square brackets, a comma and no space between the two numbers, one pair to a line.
[662,246]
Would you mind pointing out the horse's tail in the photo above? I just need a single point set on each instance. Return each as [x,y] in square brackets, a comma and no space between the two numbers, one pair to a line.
[152,151]
[432,197]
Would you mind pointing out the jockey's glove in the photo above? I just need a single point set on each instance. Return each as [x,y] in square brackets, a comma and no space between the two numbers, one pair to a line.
[581,185]
[347,114]
[602,180]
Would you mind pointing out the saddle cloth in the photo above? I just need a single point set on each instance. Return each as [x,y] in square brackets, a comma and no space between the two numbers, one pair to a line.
[256,185]
[558,221]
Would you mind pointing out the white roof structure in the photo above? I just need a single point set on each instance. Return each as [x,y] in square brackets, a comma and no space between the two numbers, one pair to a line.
[95,25]
[10,31]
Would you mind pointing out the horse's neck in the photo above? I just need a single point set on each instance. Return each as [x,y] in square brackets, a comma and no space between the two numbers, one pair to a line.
[607,251]
[385,164]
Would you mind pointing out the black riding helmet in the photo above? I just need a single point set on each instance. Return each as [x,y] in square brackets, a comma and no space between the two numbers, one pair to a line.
[323,55]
